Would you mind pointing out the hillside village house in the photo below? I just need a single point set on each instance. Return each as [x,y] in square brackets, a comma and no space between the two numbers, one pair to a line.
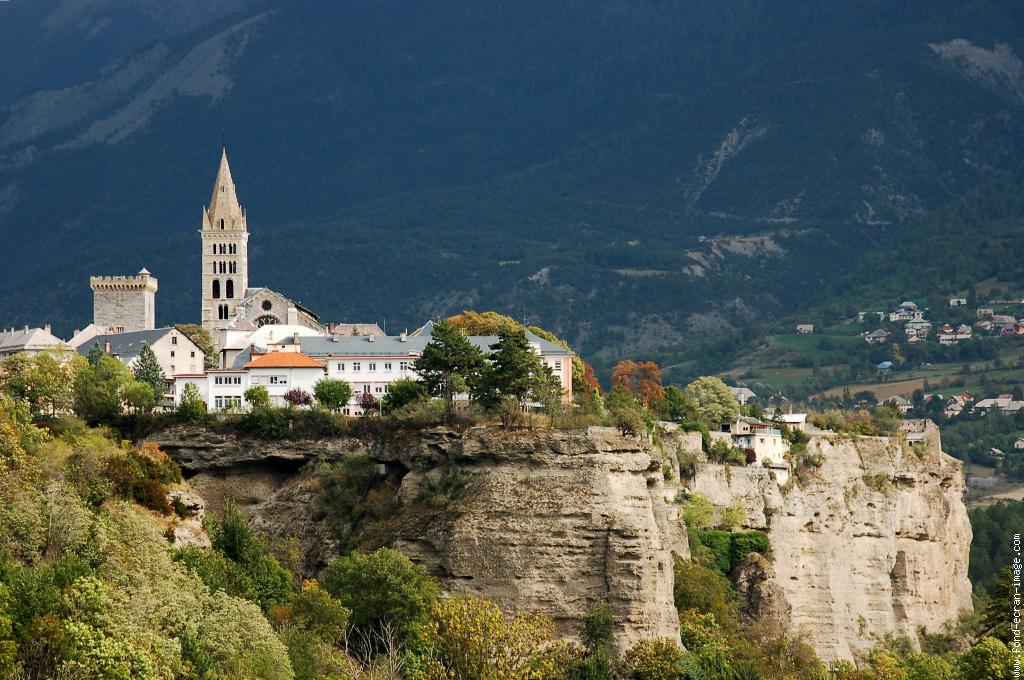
[1003,323]
[805,328]
[948,335]
[765,442]
[907,311]
[1004,402]
[917,331]
[957,302]
[901,404]
[794,421]
[957,403]
[27,340]
[877,337]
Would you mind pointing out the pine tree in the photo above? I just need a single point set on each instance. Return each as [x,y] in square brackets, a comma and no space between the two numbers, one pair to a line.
[450,363]
[147,370]
[515,370]
[95,352]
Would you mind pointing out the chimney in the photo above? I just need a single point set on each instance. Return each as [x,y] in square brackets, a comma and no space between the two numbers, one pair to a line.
[293,316]
[403,337]
[106,346]
[26,328]
[46,328]
[335,337]
[369,338]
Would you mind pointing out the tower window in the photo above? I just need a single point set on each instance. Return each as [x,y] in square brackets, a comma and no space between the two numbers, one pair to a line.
[222,223]
[216,289]
[229,289]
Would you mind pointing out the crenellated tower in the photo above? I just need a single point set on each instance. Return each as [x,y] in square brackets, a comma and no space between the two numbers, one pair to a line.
[225,258]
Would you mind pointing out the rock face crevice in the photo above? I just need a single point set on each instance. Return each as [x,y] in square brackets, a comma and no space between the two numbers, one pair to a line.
[550,521]
[874,542]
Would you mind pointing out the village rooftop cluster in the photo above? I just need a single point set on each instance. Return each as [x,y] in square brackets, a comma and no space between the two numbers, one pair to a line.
[260,336]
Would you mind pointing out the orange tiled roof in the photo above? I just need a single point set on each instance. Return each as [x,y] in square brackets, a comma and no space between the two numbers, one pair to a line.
[283,360]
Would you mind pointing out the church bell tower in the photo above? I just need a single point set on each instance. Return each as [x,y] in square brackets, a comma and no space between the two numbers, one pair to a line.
[225,252]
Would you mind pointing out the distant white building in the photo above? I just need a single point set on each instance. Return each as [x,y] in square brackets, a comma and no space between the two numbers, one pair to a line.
[901,404]
[907,311]
[805,328]
[957,302]
[877,337]
[794,421]
[1004,402]
[764,442]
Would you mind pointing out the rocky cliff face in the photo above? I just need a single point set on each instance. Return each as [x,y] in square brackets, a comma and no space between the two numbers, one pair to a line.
[550,521]
[873,542]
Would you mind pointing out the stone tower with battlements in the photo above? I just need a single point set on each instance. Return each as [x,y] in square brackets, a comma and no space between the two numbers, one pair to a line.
[124,303]
[225,252]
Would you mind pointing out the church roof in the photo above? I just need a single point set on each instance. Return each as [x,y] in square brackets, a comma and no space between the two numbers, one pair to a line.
[251,292]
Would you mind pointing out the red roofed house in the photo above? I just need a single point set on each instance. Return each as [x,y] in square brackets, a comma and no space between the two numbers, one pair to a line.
[279,372]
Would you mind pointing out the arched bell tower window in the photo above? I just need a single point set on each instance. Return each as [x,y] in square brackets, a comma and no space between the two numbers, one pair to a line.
[216,289]
[222,223]
[229,289]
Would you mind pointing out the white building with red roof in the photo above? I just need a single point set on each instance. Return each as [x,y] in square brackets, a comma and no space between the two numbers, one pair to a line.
[278,372]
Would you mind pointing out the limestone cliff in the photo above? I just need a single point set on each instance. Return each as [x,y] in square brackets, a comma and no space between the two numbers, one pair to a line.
[550,521]
[872,542]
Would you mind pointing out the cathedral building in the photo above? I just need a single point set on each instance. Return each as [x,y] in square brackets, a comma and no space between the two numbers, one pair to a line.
[226,294]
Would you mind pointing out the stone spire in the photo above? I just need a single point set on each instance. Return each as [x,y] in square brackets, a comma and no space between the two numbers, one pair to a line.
[224,201]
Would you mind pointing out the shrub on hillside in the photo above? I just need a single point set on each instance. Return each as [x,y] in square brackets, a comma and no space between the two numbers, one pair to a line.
[655,660]
[266,422]
[382,589]
[706,590]
[729,548]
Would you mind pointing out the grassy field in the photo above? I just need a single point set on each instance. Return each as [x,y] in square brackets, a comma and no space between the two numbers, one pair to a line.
[810,345]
